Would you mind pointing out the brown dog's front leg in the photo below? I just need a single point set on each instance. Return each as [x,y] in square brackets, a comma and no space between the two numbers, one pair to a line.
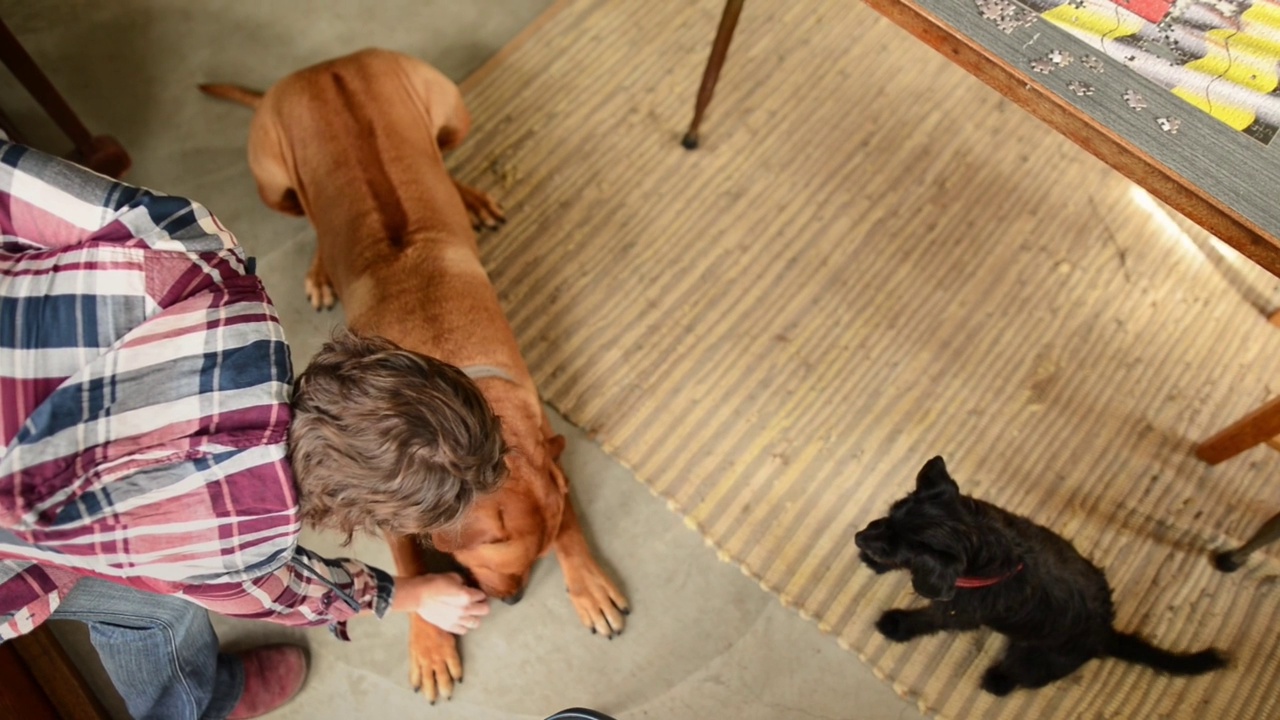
[406,555]
[434,662]
[484,210]
[599,603]
[318,286]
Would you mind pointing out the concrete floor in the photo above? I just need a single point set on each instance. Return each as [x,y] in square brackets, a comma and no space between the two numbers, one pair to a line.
[703,642]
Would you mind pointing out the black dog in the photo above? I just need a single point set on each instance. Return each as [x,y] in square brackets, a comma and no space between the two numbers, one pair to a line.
[982,566]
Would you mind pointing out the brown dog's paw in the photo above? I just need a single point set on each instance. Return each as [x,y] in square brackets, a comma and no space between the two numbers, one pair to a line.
[484,210]
[319,288]
[600,605]
[434,663]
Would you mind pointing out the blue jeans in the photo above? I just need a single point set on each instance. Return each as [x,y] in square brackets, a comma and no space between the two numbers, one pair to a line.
[160,651]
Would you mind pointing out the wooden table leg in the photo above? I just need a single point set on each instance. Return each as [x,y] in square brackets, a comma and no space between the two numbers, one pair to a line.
[11,130]
[39,677]
[100,153]
[719,49]
[1231,560]
[1254,429]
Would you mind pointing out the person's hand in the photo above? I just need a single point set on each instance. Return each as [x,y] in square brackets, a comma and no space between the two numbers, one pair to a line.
[442,600]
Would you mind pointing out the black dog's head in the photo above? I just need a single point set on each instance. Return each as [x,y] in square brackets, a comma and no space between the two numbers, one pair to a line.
[928,533]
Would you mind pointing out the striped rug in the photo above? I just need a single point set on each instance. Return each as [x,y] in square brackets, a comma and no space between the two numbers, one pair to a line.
[874,259]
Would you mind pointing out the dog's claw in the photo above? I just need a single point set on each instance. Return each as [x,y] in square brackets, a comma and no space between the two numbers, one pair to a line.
[485,212]
[434,663]
[319,289]
[600,606]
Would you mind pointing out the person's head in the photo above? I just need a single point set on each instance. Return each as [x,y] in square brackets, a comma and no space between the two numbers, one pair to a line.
[385,440]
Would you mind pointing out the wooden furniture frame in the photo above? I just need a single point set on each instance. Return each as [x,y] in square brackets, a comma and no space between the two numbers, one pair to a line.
[1121,154]
[100,153]
[710,76]
[40,682]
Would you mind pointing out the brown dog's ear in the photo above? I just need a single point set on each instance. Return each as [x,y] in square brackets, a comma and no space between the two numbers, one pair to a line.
[446,541]
[562,480]
[451,542]
[479,529]
[934,575]
[935,480]
[555,446]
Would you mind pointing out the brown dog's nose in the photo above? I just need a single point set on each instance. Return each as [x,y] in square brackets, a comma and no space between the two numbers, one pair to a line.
[514,598]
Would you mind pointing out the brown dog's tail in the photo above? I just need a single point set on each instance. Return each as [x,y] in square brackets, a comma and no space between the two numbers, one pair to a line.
[234,93]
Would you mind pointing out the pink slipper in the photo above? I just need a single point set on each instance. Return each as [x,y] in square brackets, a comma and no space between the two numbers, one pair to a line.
[272,676]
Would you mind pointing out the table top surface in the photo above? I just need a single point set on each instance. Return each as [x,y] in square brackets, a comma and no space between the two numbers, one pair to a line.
[1192,85]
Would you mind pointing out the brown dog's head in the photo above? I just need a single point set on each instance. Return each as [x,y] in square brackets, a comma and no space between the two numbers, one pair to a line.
[505,532]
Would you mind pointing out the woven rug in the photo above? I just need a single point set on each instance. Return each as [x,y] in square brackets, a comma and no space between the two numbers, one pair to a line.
[874,259]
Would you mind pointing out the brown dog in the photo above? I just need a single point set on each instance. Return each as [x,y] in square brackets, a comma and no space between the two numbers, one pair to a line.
[356,144]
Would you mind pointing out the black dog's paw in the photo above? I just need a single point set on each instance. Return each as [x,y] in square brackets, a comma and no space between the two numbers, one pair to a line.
[896,625]
[998,682]
[877,567]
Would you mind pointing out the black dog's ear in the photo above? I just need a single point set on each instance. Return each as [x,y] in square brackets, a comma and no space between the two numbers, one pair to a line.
[934,575]
[935,480]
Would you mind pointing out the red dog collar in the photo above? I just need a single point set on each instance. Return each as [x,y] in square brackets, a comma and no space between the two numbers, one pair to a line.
[968,582]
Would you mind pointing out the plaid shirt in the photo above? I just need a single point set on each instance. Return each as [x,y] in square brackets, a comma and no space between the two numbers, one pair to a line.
[144,415]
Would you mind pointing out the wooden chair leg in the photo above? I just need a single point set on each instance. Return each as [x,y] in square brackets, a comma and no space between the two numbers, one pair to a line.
[100,153]
[10,130]
[104,155]
[1231,561]
[719,49]
[1254,429]
[49,676]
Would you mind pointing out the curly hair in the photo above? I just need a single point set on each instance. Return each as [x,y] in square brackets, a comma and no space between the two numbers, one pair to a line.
[388,440]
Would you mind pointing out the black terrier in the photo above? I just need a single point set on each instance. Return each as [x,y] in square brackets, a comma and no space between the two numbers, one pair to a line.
[982,566]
